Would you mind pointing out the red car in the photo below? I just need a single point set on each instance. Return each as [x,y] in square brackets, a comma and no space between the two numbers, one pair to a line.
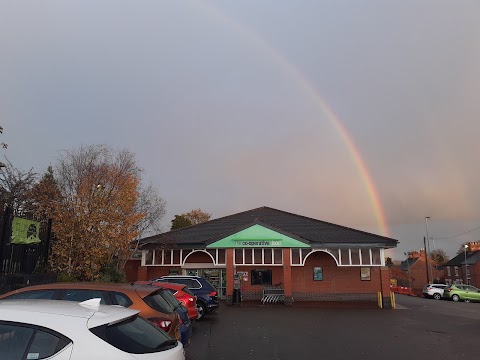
[181,292]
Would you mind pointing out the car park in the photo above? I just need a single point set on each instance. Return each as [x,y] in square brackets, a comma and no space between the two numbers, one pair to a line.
[434,291]
[207,295]
[67,330]
[182,293]
[461,292]
[147,299]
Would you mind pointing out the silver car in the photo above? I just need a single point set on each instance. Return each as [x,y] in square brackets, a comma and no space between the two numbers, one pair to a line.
[434,291]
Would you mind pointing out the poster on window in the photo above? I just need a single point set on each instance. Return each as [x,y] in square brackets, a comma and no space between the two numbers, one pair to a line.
[317,273]
[25,231]
[365,273]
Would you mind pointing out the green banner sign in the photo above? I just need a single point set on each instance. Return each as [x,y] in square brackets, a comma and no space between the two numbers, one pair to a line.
[25,231]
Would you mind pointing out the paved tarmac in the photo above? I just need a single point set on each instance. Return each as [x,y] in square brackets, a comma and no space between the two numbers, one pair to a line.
[281,332]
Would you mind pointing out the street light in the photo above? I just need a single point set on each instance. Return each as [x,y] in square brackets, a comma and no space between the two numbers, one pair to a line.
[466,265]
[427,250]
[408,271]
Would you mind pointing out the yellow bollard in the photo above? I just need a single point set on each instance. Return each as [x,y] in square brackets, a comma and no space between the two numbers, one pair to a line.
[380,305]
[392,299]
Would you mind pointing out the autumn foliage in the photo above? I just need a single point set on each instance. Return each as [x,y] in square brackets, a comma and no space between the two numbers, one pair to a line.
[95,219]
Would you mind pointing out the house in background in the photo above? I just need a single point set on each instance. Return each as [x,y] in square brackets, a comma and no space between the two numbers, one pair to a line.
[412,272]
[465,267]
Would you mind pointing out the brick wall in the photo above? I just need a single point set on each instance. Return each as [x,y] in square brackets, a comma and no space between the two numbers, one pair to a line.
[338,284]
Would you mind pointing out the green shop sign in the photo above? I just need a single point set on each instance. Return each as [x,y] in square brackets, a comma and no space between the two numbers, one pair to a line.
[257,236]
[258,243]
[25,231]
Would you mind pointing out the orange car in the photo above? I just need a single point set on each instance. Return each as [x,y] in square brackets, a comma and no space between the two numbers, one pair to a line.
[181,292]
[147,299]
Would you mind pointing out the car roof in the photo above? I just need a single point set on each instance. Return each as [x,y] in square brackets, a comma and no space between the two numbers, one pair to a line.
[180,276]
[44,312]
[169,285]
[141,290]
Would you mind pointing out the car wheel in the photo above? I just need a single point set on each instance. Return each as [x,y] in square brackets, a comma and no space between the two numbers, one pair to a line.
[455,297]
[437,296]
[466,300]
[202,310]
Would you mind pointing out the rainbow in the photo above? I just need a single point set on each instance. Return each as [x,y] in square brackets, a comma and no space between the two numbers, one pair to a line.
[335,121]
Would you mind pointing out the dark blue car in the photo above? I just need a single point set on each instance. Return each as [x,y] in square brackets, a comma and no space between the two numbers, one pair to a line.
[207,296]
[185,322]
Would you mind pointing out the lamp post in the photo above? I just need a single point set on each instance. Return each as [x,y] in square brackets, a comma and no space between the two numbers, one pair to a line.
[466,265]
[408,271]
[427,248]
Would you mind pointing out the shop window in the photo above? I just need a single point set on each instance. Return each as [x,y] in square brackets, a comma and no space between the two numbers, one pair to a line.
[213,254]
[277,256]
[334,252]
[148,257]
[221,256]
[376,257]
[158,257]
[296,256]
[257,256]
[261,277]
[365,274]
[268,256]
[355,257]
[238,256]
[167,257]
[365,256]
[317,274]
[176,256]
[345,256]
[248,256]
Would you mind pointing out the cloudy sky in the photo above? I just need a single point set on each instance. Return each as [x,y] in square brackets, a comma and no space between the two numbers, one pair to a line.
[356,113]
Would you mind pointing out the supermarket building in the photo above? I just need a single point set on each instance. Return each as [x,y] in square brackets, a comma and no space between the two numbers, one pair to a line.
[311,260]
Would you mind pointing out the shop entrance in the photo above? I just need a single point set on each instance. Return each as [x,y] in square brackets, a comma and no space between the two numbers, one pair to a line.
[217,277]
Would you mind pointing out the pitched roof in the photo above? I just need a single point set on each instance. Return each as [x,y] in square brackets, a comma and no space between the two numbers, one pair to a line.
[407,264]
[459,260]
[313,232]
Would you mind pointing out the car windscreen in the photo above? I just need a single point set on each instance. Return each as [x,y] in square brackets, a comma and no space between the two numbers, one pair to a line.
[135,336]
[157,302]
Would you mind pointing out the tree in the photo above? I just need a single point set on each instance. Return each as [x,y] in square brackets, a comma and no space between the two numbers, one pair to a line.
[439,256]
[461,249]
[44,196]
[102,209]
[197,216]
[193,217]
[388,262]
[15,188]
[3,145]
[180,221]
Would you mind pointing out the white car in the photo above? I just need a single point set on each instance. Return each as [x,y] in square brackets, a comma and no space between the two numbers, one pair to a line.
[434,290]
[65,330]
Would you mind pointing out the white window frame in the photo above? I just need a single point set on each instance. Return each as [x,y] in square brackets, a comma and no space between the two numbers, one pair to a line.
[338,258]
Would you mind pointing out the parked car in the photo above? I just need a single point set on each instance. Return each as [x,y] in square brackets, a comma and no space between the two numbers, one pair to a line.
[434,290]
[182,293]
[67,330]
[185,322]
[147,299]
[207,295]
[457,292]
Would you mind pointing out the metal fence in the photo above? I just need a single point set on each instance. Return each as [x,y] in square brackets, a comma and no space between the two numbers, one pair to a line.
[22,258]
